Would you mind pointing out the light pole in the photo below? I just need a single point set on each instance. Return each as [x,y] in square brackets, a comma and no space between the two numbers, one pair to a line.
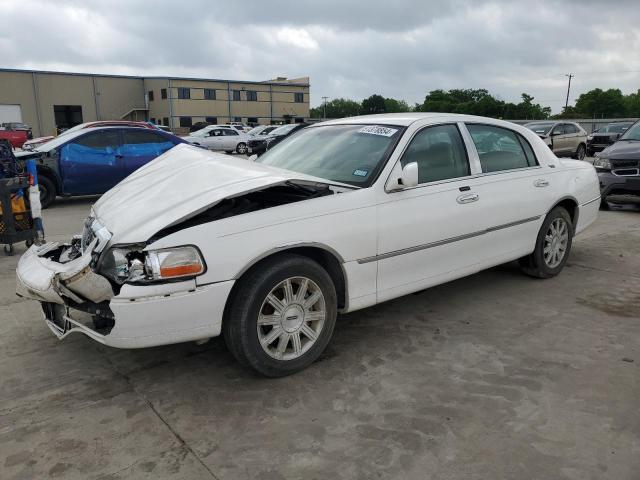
[324,108]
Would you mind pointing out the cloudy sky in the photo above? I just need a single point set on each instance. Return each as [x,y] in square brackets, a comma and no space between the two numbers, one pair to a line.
[349,48]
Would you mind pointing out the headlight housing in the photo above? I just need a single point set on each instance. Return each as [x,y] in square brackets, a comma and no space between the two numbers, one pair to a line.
[589,137]
[122,264]
[602,162]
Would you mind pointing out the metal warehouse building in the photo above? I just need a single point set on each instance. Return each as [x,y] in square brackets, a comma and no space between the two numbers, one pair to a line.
[50,100]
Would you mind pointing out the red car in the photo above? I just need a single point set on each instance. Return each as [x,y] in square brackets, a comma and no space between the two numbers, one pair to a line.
[16,137]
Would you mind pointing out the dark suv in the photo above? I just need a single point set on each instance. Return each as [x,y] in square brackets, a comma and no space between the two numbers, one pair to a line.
[601,138]
[618,165]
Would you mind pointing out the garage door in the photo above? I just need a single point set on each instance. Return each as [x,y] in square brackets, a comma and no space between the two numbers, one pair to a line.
[10,113]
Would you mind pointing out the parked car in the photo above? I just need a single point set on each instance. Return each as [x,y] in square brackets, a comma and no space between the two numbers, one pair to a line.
[109,123]
[618,165]
[261,144]
[198,126]
[16,138]
[92,160]
[36,142]
[564,138]
[240,127]
[220,138]
[18,126]
[164,128]
[261,130]
[601,138]
[341,216]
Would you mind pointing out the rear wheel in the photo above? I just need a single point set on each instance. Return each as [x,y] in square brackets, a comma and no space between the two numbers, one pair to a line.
[47,191]
[553,245]
[281,316]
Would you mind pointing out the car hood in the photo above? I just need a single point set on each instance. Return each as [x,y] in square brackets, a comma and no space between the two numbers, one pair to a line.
[622,149]
[178,185]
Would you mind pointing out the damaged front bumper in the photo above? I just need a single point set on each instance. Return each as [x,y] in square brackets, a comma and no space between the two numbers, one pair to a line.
[75,298]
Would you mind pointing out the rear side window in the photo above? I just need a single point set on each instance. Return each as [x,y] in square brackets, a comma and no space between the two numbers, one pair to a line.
[569,128]
[99,140]
[439,152]
[501,149]
[229,132]
[132,137]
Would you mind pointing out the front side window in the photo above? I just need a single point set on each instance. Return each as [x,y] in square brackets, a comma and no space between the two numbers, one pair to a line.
[352,154]
[99,140]
[570,128]
[184,93]
[209,94]
[559,130]
[439,152]
[500,148]
[229,132]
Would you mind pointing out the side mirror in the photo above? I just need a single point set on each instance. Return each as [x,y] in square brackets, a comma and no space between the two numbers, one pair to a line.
[253,158]
[403,177]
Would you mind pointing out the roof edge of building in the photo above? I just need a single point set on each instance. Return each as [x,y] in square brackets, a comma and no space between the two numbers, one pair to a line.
[153,77]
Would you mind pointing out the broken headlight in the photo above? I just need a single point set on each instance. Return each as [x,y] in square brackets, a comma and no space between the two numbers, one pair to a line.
[129,265]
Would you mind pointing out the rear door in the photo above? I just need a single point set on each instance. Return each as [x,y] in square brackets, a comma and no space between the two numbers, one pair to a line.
[90,163]
[140,146]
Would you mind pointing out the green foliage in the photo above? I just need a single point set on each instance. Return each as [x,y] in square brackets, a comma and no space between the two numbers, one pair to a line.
[602,103]
[337,108]
[374,104]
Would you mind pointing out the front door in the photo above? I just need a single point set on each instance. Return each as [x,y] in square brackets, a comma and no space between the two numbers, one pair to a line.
[424,231]
[90,163]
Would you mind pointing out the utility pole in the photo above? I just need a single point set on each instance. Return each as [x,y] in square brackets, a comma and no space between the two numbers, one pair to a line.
[566,103]
[324,108]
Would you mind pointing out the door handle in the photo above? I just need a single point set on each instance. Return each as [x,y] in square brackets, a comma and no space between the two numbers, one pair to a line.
[541,182]
[468,198]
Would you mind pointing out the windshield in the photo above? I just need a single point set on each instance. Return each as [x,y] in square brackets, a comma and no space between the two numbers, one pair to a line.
[284,129]
[633,133]
[256,130]
[351,154]
[540,128]
[617,127]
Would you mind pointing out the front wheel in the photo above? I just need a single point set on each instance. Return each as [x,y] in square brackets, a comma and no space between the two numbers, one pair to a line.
[553,245]
[241,148]
[281,316]
[581,152]
[47,191]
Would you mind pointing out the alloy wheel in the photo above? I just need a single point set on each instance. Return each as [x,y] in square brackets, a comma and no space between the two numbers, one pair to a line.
[291,318]
[555,242]
[241,148]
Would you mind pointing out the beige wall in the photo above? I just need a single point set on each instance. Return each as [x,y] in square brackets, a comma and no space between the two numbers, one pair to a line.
[16,88]
[110,97]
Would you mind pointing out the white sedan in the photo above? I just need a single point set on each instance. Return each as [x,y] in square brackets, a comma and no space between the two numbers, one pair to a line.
[220,138]
[340,216]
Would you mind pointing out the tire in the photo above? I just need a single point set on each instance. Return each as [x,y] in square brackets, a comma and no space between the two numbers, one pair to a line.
[241,148]
[47,191]
[581,152]
[604,205]
[541,264]
[229,152]
[281,354]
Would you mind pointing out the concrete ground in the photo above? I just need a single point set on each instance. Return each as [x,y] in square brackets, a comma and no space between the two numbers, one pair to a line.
[496,376]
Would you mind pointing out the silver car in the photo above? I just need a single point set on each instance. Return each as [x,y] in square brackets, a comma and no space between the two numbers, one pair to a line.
[566,139]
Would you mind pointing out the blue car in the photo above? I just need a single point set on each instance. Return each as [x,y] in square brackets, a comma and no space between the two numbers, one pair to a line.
[92,160]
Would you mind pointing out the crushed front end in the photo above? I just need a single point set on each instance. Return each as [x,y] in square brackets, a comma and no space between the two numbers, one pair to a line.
[124,296]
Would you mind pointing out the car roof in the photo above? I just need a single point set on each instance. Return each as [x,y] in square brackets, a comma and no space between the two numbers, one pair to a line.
[406,119]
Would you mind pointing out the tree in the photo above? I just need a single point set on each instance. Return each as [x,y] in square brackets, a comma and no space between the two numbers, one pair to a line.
[374,104]
[602,103]
[337,108]
[391,105]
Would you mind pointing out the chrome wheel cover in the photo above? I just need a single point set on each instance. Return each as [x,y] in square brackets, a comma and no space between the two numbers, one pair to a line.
[555,242]
[241,149]
[291,318]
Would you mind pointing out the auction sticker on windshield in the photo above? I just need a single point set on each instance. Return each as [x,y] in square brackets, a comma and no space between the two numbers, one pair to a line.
[378,130]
